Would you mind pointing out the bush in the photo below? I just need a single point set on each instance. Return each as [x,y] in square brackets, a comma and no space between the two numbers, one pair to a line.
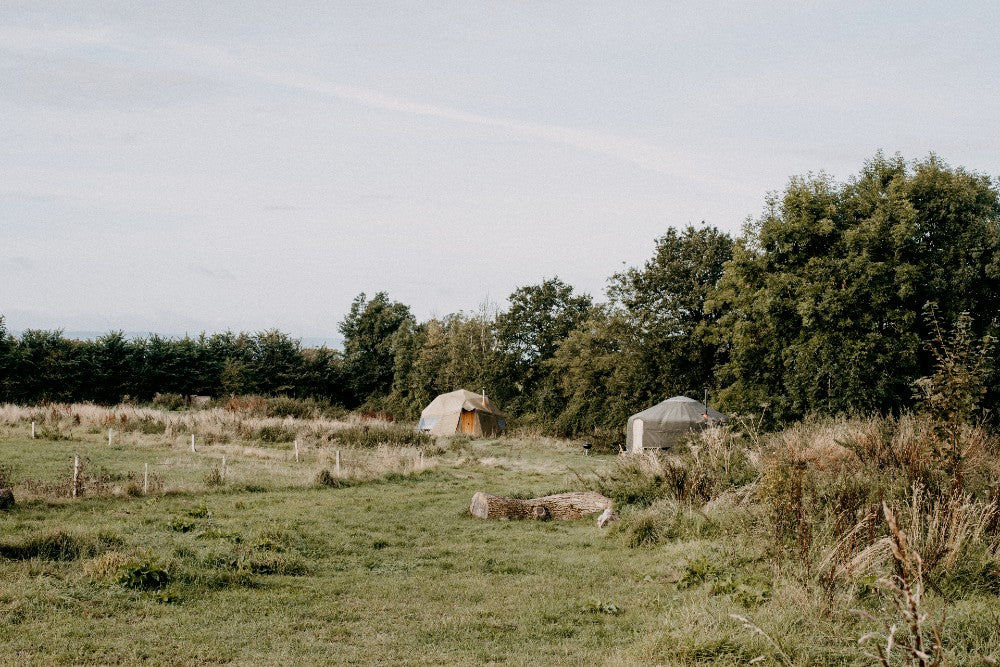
[149,426]
[370,437]
[710,463]
[665,521]
[276,433]
[327,478]
[169,401]
[144,574]
[214,478]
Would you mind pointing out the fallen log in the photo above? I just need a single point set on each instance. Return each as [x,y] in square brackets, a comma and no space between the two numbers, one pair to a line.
[560,506]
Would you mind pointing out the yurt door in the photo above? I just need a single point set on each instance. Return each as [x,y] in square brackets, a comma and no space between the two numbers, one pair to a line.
[468,423]
[637,436]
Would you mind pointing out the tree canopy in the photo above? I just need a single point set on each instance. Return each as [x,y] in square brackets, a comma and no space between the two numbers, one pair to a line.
[816,308]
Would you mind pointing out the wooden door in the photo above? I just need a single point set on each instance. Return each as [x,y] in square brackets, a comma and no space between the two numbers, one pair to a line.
[468,423]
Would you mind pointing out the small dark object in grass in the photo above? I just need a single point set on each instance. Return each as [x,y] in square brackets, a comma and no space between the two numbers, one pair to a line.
[144,576]
[181,525]
[327,478]
[6,499]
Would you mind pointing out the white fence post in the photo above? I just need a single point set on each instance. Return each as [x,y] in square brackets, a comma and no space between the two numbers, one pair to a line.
[76,475]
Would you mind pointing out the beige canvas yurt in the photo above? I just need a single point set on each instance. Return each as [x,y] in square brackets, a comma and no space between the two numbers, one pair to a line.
[461,412]
[665,424]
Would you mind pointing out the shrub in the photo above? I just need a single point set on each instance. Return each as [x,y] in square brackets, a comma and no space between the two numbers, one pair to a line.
[327,478]
[665,521]
[181,524]
[149,426]
[300,408]
[169,401]
[370,437]
[199,512]
[275,433]
[144,574]
[214,478]
[53,432]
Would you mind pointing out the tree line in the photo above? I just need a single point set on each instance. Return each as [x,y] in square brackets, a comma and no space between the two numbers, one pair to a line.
[819,306]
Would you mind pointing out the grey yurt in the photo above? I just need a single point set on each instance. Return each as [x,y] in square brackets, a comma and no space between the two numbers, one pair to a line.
[461,412]
[665,424]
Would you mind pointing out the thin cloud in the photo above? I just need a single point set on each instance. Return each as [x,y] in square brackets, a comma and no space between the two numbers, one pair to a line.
[620,148]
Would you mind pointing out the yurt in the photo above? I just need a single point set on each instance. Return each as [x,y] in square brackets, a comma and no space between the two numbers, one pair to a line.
[461,412]
[665,424]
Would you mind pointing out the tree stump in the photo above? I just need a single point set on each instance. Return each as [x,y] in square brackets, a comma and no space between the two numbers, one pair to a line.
[6,499]
[560,506]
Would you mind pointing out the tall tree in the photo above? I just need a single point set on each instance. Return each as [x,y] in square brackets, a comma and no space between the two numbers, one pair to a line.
[368,352]
[821,304]
[527,336]
[666,332]
[48,367]
[6,362]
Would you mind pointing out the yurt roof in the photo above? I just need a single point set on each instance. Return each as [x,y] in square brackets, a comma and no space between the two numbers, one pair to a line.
[679,409]
[456,401]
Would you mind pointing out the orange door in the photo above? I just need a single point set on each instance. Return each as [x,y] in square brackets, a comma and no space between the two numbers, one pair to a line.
[468,423]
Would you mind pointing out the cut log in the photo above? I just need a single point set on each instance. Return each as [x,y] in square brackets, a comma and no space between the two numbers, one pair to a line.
[560,506]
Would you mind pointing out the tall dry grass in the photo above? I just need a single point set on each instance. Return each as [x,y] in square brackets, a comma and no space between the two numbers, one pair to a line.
[257,450]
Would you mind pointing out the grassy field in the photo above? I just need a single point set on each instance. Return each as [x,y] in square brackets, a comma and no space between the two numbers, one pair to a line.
[258,563]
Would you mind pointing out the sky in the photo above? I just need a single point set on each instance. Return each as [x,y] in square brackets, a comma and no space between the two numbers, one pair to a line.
[179,167]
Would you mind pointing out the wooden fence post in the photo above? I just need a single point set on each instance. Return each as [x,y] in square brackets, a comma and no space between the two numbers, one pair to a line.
[192,443]
[110,434]
[76,475]
[145,481]
[296,450]
[337,464]
[32,430]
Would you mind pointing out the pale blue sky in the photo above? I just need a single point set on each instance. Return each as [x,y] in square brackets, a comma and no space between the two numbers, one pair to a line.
[179,167]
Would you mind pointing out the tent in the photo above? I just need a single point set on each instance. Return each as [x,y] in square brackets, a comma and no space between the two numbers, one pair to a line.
[665,424]
[461,412]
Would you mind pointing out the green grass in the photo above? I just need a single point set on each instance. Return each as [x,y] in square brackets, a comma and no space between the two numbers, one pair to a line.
[270,567]
[394,570]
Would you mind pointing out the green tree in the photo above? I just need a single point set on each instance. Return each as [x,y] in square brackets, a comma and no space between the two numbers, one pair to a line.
[276,362]
[666,333]
[6,362]
[115,365]
[820,305]
[595,374]
[527,336]
[368,332]
[49,367]
[170,366]
[323,375]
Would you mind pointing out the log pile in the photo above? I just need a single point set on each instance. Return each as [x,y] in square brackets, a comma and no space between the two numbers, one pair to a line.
[560,506]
